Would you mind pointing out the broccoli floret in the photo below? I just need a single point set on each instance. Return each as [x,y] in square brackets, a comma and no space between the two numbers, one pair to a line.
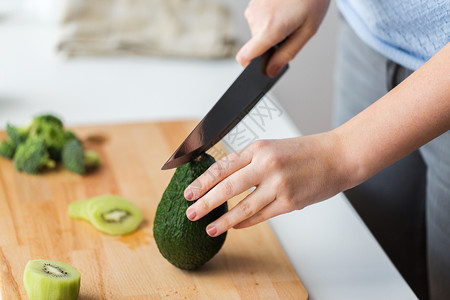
[47,127]
[68,135]
[42,143]
[50,130]
[47,119]
[91,159]
[32,156]
[7,149]
[73,156]
[78,160]
[17,134]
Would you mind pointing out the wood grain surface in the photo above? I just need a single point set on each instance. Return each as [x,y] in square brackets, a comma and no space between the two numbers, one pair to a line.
[34,223]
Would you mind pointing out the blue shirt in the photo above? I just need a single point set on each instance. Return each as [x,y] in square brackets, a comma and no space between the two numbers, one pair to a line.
[409,32]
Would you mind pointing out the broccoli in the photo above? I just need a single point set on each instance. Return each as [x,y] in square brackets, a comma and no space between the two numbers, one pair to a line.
[68,135]
[32,156]
[78,160]
[42,143]
[50,119]
[52,136]
[17,134]
[50,130]
[7,149]
[46,127]
[91,159]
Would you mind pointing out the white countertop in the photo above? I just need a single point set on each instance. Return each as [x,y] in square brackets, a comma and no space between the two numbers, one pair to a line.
[331,249]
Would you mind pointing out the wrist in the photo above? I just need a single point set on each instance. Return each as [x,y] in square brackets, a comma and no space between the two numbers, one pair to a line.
[349,159]
[332,162]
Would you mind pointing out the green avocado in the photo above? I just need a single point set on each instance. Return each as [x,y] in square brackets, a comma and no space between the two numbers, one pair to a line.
[185,243]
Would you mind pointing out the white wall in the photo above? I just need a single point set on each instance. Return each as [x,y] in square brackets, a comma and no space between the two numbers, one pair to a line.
[305,91]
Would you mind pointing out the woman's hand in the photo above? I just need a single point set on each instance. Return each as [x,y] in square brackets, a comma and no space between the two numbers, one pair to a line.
[288,174]
[271,21]
[292,173]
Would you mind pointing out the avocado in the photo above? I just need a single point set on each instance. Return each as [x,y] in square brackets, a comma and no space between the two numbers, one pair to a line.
[185,243]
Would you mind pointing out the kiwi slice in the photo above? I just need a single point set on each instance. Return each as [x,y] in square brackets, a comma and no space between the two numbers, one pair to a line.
[77,210]
[51,280]
[110,214]
[115,215]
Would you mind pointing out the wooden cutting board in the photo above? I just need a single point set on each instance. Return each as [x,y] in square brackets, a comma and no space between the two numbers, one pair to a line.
[34,223]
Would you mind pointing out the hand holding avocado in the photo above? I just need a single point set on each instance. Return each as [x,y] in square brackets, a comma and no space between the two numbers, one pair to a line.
[288,174]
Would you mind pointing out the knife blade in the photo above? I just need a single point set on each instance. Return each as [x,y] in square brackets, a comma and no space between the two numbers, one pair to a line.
[230,109]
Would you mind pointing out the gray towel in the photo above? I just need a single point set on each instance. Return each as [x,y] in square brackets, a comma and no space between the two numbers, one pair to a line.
[186,28]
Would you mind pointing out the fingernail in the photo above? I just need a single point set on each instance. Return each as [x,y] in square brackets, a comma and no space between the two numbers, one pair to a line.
[273,70]
[211,230]
[188,194]
[191,214]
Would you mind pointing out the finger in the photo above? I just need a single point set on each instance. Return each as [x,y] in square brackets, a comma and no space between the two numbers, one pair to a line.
[288,50]
[273,209]
[246,208]
[235,184]
[217,172]
[255,47]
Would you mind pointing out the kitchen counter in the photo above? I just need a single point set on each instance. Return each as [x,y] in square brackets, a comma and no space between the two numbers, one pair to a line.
[331,249]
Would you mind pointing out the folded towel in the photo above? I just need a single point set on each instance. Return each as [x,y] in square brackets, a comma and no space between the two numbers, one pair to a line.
[187,28]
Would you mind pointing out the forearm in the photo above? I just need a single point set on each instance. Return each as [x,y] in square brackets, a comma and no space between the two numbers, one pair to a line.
[409,116]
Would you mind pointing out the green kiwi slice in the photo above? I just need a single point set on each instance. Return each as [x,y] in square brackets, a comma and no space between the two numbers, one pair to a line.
[51,280]
[115,216]
[77,210]
[110,214]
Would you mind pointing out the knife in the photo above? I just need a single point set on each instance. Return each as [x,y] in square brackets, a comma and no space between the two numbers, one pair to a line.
[232,107]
